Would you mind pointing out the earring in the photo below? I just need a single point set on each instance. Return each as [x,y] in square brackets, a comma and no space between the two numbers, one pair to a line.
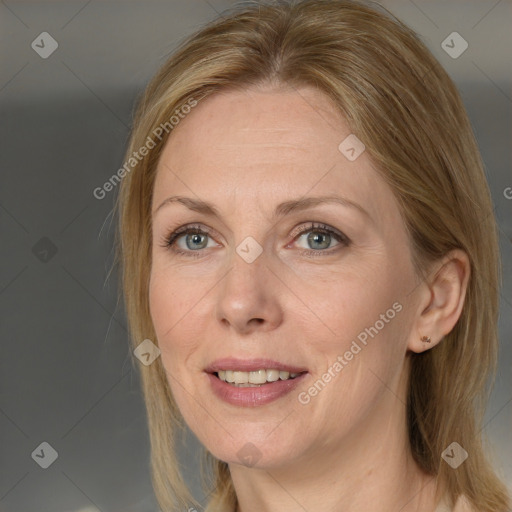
[425,339]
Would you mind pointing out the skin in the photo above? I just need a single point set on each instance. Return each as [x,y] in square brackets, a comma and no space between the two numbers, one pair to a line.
[347,449]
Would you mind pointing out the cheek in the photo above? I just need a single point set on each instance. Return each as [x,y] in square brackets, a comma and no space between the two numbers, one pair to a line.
[172,302]
[354,299]
[164,304]
[355,367]
[365,313]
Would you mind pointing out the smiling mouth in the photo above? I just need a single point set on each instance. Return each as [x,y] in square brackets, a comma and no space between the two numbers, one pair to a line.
[256,378]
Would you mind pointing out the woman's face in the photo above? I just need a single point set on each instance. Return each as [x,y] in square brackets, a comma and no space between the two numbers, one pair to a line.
[322,289]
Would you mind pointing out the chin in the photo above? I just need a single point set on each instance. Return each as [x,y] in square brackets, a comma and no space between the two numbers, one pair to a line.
[255,451]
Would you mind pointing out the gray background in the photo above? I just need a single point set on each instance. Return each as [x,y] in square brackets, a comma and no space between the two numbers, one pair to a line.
[65,368]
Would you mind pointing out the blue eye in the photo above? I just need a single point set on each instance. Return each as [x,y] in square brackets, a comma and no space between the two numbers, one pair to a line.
[190,240]
[195,241]
[319,238]
[194,238]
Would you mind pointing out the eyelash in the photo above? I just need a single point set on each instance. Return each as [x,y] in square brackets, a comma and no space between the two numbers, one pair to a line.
[168,241]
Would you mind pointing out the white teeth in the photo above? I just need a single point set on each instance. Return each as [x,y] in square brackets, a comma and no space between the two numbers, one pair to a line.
[241,377]
[254,378]
[258,377]
[272,375]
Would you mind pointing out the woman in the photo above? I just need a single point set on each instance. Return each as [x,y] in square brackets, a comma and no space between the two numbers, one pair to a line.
[307,236]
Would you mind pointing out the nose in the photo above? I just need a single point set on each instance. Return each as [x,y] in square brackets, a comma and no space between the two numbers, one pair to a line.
[248,297]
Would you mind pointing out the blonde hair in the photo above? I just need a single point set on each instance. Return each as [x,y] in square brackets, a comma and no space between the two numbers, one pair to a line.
[401,103]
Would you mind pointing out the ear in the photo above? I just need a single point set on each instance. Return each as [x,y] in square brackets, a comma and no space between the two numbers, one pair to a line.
[441,298]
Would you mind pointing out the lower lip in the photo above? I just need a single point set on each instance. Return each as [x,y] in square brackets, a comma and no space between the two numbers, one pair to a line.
[253,396]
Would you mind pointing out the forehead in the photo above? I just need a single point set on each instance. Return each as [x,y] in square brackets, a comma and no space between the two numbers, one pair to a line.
[283,125]
[264,146]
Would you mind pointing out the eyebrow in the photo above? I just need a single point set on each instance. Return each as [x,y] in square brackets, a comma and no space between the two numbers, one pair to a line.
[285,208]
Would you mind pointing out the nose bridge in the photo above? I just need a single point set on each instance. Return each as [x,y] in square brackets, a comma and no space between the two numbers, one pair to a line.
[246,293]
[249,229]
[246,272]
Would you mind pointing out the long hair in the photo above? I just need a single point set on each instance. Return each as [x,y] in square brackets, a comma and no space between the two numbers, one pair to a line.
[401,103]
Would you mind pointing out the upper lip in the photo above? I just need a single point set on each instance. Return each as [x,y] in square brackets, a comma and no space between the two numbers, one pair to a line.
[251,365]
